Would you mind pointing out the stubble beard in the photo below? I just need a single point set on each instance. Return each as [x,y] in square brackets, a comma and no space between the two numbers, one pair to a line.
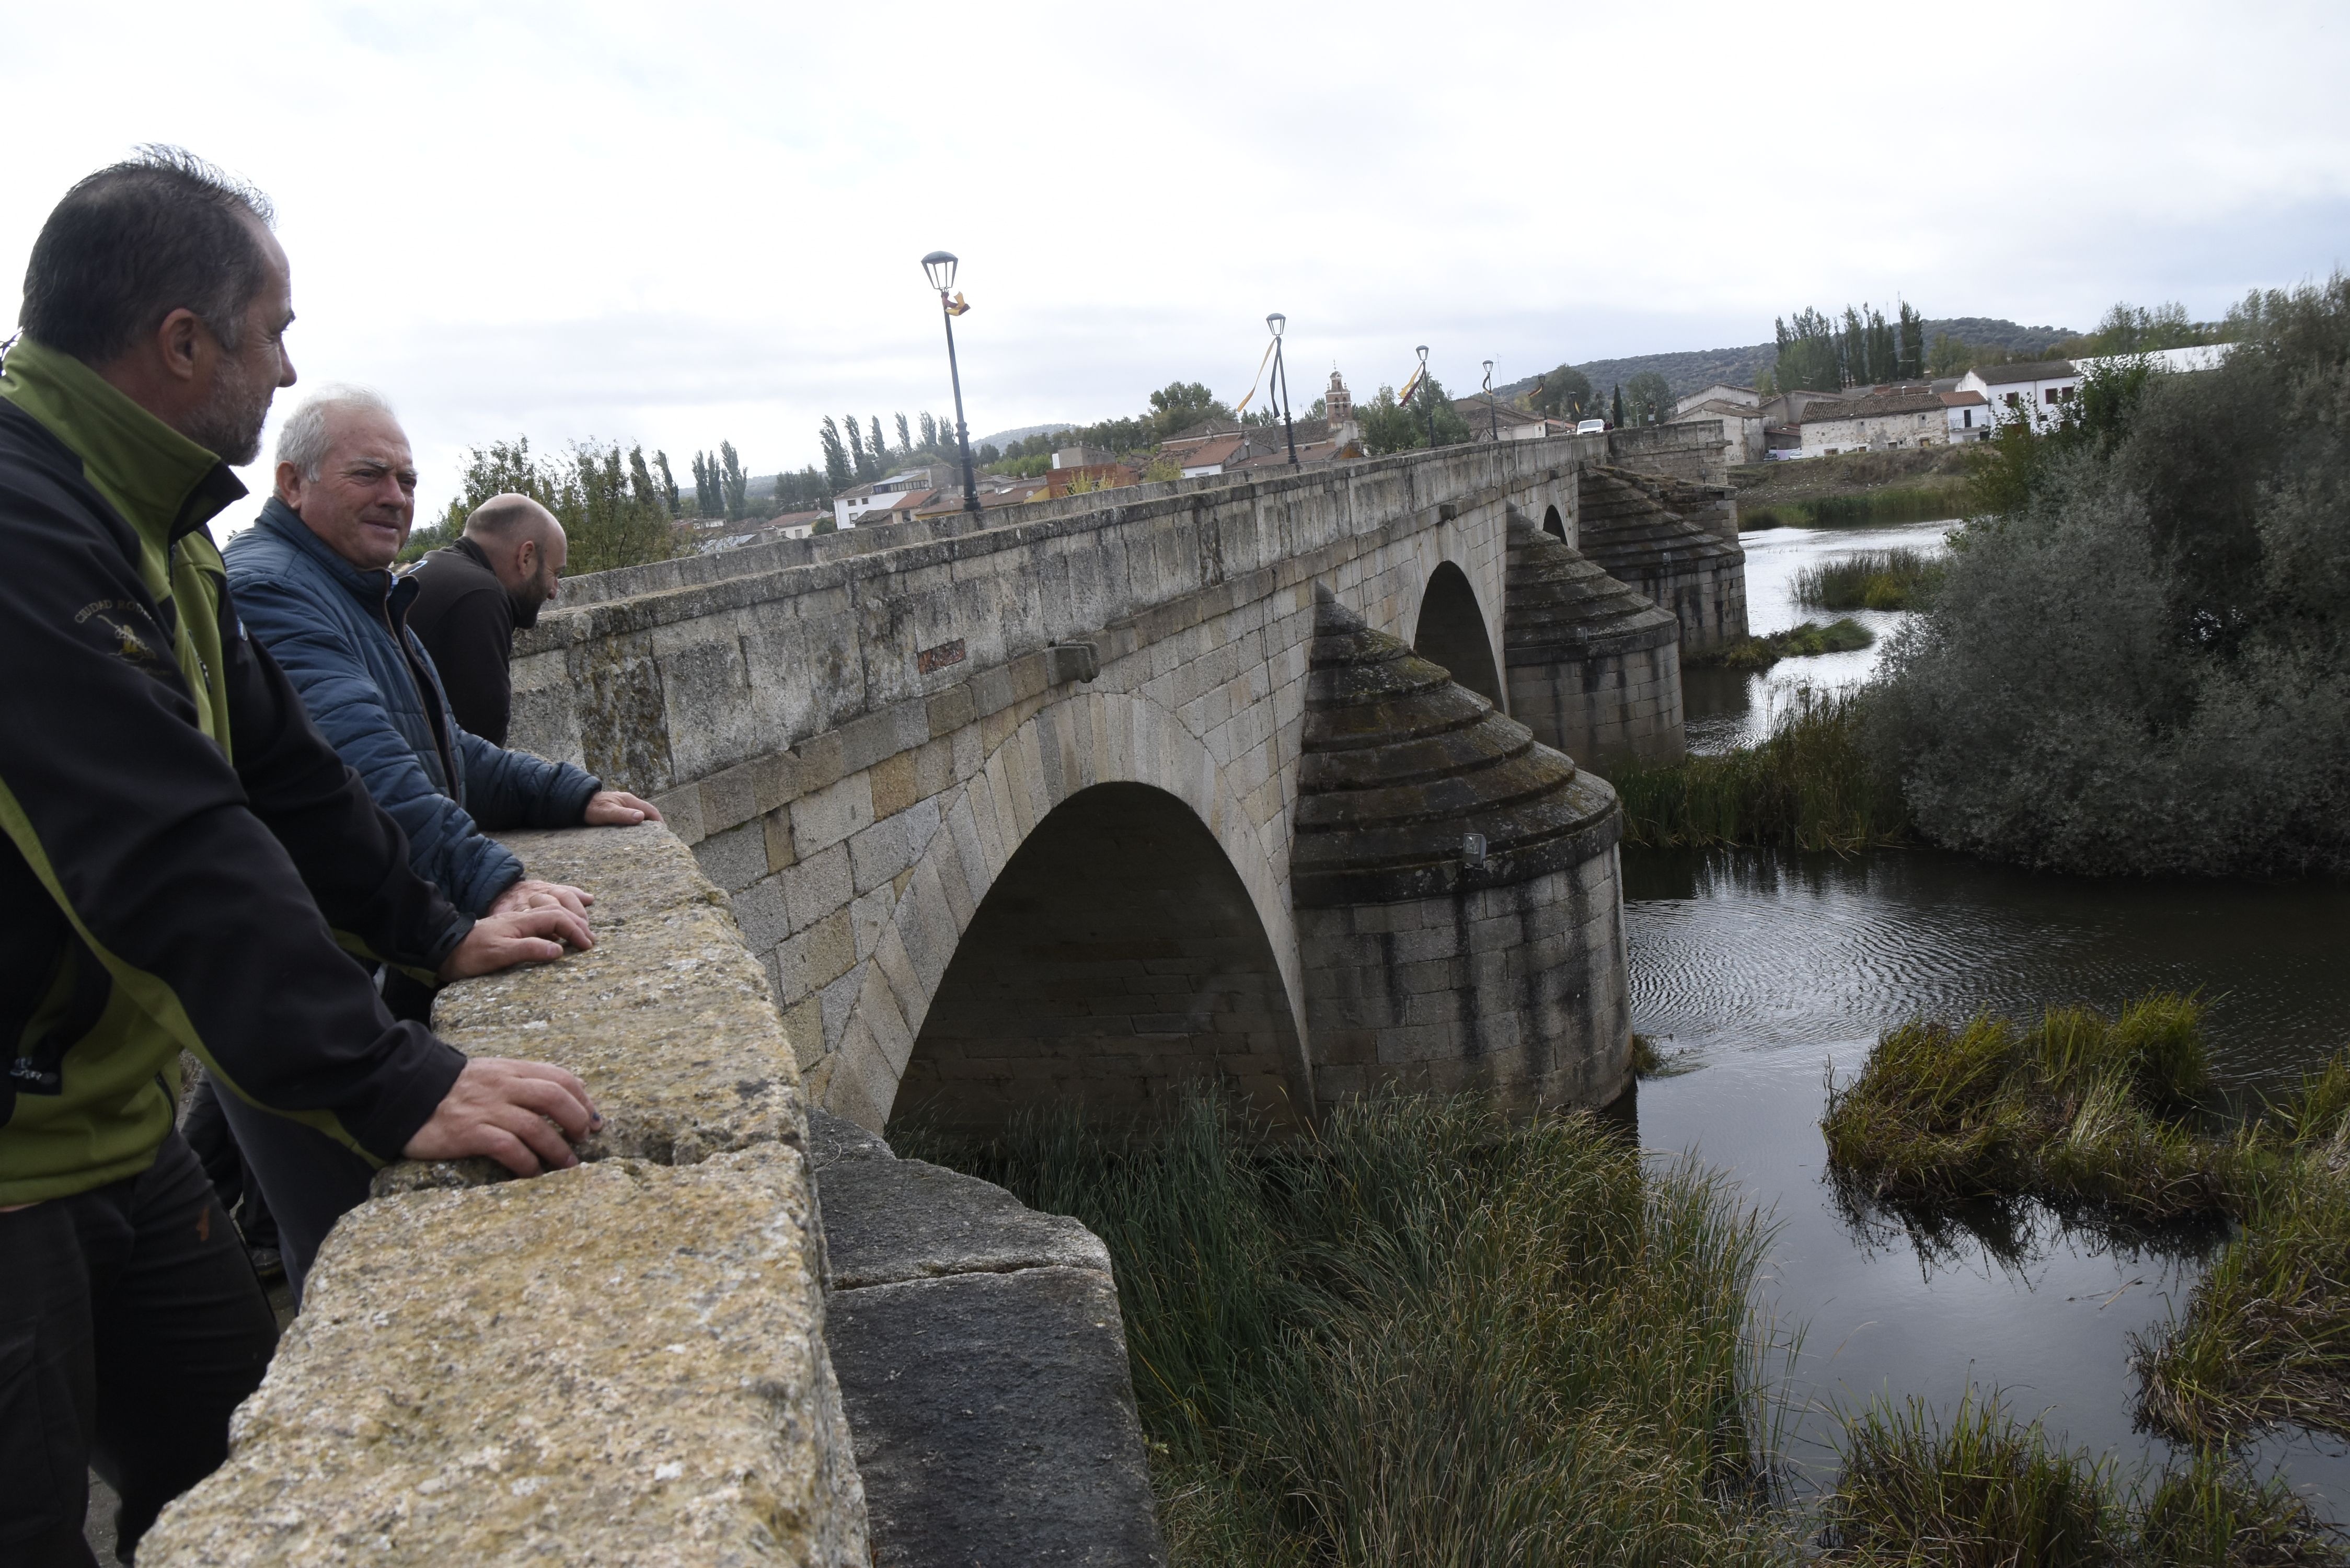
[229,424]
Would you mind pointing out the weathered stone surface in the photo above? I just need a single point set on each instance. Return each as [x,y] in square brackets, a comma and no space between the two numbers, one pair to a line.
[833,1138]
[893,1219]
[620,1363]
[994,1420]
[668,1019]
[1401,765]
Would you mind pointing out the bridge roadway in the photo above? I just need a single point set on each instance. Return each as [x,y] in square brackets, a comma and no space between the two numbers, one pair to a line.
[1130,790]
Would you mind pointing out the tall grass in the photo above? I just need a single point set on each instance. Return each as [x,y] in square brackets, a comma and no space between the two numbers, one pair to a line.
[2098,1117]
[1981,1488]
[1812,784]
[2077,1109]
[2265,1339]
[1892,503]
[1422,1334]
[1897,579]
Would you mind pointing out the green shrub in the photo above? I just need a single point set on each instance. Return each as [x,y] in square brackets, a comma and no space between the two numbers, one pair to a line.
[2137,664]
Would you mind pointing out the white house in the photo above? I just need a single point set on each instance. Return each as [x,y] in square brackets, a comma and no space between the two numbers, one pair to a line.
[1969,415]
[2202,357]
[2039,390]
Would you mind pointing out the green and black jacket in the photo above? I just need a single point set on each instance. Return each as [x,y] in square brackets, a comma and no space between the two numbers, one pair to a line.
[186,863]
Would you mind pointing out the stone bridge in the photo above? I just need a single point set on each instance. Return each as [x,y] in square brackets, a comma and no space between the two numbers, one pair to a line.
[1267,780]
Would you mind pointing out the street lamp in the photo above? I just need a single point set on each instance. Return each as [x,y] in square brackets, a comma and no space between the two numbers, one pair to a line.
[1426,401]
[1492,407]
[1281,380]
[939,266]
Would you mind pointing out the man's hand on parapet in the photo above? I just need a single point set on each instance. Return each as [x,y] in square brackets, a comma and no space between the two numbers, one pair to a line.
[617,808]
[519,1114]
[522,935]
[531,894]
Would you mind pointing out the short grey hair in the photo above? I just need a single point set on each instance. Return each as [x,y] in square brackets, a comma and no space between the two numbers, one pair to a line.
[302,441]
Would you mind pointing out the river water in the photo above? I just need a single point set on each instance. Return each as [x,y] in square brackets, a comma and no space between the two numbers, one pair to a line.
[1764,973]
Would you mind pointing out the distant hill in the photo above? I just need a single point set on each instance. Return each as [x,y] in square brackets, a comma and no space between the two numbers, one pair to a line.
[1687,371]
[1005,437]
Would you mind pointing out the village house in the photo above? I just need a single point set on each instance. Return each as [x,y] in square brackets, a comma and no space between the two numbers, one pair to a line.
[1968,415]
[1890,418]
[2040,388]
[1485,415]
[1744,432]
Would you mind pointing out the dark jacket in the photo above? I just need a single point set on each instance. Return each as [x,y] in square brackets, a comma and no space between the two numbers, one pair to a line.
[379,701]
[465,619]
[186,863]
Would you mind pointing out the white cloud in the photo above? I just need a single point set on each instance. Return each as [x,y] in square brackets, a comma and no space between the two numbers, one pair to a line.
[681,224]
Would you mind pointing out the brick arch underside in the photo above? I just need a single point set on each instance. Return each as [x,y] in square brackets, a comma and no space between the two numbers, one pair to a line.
[1142,848]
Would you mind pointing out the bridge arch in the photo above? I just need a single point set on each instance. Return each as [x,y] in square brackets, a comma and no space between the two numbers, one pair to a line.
[1116,958]
[1142,786]
[1553,524]
[1451,631]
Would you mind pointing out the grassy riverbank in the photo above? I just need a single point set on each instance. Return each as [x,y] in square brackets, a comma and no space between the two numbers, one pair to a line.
[2105,1119]
[1751,654]
[1893,503]
[1854,489]
[1422,1334]
[1812,785]
[1896,579]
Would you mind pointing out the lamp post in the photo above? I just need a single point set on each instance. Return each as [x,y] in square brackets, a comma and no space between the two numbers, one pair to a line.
[1492,407]
[1281,379]
[939,266]
[1426,403]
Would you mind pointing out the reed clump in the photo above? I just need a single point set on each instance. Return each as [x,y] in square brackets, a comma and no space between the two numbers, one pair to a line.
[1814,783]
[2098,1116]
[2265,1338]
[1751,654]
[2079,1109]
[1421,1333]
[1896,579]
[1981,1489]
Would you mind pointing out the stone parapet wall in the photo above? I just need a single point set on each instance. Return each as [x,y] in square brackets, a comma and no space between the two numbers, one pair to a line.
[1694,450]
[624,1363]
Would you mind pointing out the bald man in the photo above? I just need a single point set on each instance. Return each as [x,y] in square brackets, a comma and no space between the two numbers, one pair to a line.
[476,593]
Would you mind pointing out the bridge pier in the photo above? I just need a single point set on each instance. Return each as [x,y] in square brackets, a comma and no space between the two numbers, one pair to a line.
[1457,898]
[1595,668]
[1689,569]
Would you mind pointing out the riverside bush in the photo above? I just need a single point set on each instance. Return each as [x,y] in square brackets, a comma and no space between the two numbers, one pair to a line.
[1804,640]
[2136,661]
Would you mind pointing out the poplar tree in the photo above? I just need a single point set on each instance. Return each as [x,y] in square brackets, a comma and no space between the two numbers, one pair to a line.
[669,480]
[905,438]
[839,472]
[732,482]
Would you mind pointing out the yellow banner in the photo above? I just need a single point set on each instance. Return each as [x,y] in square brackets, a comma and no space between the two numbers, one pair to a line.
[1261,364]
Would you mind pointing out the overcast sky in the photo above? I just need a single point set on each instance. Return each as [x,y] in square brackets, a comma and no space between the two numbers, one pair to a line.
[678,223]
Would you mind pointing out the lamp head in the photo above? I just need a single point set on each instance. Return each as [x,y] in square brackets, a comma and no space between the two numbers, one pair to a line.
[939,266]
[1489,369]
[1276,321]
[1422,352]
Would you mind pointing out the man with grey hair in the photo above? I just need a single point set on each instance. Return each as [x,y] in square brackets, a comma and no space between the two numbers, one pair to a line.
[180,852]
[476,593]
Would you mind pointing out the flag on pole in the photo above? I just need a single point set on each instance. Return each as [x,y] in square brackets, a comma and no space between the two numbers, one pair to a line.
[1412,385]
[957,307]
[1261,364]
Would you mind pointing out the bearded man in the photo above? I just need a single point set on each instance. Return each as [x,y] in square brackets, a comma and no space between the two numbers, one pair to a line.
[179,849]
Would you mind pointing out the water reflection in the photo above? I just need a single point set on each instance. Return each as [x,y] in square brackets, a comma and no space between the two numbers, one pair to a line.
[1725,709]
[1770,974]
